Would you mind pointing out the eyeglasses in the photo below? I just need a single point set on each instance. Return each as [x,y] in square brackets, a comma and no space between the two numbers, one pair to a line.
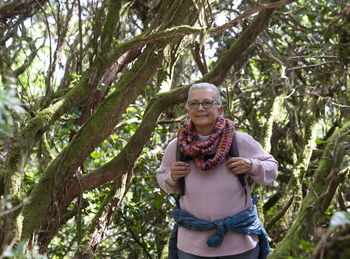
[206,103]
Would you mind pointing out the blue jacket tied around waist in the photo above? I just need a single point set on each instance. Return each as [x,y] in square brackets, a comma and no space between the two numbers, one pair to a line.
[244,222]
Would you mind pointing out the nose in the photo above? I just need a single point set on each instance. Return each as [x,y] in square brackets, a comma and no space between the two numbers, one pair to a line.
[200,107]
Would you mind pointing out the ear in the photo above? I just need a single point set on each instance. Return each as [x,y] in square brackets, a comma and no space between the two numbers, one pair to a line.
[221,109]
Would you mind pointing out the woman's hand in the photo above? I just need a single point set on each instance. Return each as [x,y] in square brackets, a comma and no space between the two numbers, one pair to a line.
[178,170]
[239,165]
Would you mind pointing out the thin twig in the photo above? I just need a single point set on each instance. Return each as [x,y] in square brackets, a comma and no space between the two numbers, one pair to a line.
[187,30]
[310,66]
[13,242]
[324,56]
[247,13]
[333,103]
[25,201]
[80,39]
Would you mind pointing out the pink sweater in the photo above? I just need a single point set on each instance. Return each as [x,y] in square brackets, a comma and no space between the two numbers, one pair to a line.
[216,194]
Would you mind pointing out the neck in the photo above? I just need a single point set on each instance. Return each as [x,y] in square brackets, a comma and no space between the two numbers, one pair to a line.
[204,131]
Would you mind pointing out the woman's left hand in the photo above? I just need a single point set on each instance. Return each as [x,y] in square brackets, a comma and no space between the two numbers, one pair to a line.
[239,165]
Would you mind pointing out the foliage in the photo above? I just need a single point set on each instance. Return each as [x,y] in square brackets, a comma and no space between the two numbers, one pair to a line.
[9,105]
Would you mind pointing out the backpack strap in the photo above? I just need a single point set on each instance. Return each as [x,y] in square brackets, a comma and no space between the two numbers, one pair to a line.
[180,156]
[233,152]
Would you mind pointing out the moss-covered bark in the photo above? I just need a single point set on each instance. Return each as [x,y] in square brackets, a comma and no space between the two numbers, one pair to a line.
[96,129]
[274,113]
[101,123]
[321,192]
[38,125]
[29,136]
[289,203]
[117,166]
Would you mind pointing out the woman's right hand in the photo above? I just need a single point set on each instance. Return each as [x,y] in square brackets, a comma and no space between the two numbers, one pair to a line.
[179,169]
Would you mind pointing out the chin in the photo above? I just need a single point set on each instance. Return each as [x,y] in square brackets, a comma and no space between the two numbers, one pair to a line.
[200,122]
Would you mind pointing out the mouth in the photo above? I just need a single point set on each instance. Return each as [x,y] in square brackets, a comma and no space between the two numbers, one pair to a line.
[201,116]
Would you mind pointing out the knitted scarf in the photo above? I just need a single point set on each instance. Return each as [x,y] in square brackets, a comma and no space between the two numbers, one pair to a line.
[219,142]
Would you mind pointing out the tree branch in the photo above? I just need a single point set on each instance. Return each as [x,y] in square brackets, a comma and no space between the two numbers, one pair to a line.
[196,52]
[24,8]
[118,166]
[316,202]
[248,13]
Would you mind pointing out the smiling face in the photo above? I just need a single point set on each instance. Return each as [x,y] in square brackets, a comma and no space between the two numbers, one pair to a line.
[204,119]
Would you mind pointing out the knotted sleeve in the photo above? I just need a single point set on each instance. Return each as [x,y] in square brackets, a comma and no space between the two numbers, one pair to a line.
[244,222]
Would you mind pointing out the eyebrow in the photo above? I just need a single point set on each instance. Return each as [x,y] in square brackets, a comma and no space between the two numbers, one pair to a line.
[202,100]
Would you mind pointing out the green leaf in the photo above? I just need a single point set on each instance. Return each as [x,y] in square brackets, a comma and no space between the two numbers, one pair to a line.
[306,245]
[319,141]
[95,154]
[339,218]
[271,211]
[5,129]
[27,39]
[159,202]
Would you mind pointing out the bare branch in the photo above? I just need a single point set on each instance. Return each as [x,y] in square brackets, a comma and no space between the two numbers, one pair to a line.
[310,66]
[248,13]
[196,52]
[3,213]
[24,8]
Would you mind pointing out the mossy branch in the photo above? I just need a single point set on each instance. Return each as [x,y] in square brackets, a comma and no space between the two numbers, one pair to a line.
[117,166]
[261,20]
[274,113]
[103,217]
[110,25]
[246,38]
[322,190]
[98,127]
[294,186]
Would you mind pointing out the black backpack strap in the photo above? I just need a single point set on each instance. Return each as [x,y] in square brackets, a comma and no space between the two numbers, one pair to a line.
[233,152]
[180,156]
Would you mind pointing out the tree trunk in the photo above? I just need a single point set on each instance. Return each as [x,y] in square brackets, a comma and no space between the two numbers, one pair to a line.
[325,182]
[289,203]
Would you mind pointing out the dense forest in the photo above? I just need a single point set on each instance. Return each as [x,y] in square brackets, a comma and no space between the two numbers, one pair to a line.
[93,91]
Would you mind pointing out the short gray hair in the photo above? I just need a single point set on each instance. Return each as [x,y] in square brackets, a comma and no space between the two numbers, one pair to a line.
[206,86]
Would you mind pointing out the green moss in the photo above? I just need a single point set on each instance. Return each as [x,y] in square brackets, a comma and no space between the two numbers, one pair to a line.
[14,158]
[112,20]
[51,186]
[40,201]
[316,201]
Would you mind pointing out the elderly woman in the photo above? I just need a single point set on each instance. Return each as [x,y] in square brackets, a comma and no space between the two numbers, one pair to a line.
[213,193]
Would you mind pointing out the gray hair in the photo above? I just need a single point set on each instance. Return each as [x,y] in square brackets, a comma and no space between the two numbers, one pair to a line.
[206,86]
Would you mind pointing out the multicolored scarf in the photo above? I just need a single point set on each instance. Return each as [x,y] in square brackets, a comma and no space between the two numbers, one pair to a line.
[219,142]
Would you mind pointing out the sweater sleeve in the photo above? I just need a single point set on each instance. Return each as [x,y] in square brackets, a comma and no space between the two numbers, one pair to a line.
[163,172]
[264,166]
